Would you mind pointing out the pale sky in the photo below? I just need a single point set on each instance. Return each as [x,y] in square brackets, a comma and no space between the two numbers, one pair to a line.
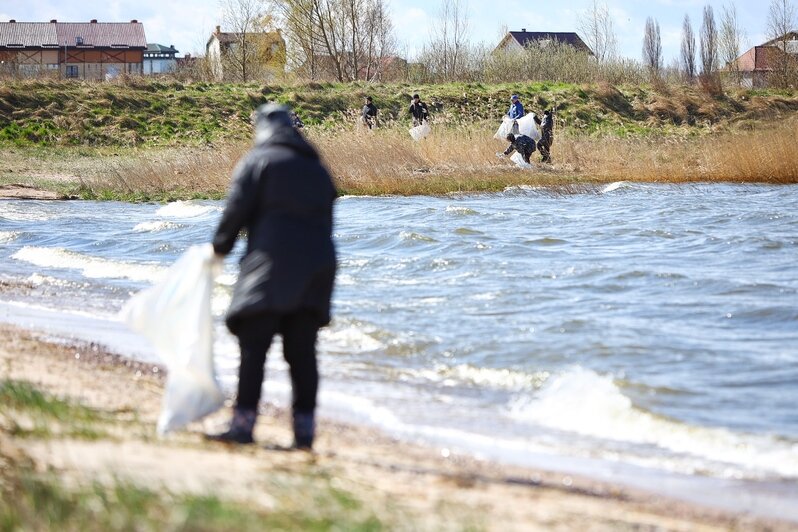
[186,24]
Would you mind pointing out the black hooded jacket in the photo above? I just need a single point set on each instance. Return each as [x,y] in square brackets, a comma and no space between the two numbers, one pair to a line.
[522,144]
[283,197]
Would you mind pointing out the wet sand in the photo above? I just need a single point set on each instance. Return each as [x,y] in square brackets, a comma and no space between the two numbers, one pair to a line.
[428,487]
[23,191]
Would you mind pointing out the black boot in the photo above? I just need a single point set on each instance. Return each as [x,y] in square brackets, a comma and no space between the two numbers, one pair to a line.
[304,430]
[240,430]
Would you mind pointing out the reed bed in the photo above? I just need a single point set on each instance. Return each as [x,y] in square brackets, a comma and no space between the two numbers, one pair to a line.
[389,162]
[768,155]
[164,175]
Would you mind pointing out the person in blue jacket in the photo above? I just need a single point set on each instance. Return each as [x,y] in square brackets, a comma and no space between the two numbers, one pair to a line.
[516,109]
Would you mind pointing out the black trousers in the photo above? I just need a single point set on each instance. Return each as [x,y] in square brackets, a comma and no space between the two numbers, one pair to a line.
[299,331]
[544,146]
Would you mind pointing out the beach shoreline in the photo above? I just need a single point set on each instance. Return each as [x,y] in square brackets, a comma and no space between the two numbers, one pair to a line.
[399,481]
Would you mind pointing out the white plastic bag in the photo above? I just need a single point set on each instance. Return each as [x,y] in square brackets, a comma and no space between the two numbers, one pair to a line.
[519,161]
[526,126]
[419,132]
[175,315]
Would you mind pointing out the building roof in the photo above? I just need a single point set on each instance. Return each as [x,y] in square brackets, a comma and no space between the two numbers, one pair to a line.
[59,34]
[154,48]
[790,36]
[524,37]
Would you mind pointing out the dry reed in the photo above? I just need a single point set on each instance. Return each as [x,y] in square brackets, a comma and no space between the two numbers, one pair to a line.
[767,155]
[388,161]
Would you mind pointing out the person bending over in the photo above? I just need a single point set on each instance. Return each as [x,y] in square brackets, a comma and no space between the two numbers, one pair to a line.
[522,144]
[282,196]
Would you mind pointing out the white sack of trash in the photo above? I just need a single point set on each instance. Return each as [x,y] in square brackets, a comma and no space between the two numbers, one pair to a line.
[526,126]
[175,316]
[420,132]
[519,161]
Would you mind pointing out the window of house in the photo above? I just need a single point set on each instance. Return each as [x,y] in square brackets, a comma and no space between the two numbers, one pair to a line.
[71,71]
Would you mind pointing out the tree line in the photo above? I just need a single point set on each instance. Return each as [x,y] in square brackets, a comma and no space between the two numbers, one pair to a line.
[349,40]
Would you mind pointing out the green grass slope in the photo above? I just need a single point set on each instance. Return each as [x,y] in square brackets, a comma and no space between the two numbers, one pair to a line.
[151,113]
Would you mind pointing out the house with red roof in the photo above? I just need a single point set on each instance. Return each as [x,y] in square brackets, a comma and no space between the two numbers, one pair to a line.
[79,50]
[757,65]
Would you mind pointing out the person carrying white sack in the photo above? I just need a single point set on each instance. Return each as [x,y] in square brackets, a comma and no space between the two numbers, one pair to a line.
[282,196]
[515,112]
[418,110]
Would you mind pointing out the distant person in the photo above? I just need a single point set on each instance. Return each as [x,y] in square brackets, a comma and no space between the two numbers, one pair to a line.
[515,112]
[522,144]
[418,110]
[369,113]
[282,196]
[546,136]
[296,121]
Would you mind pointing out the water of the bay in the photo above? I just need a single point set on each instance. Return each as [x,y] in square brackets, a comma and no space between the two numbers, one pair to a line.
[635,332]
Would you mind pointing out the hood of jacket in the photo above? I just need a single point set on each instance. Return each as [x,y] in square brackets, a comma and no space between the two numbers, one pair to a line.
[274,127]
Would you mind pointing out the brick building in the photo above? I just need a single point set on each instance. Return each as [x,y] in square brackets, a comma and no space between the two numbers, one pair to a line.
[80,50]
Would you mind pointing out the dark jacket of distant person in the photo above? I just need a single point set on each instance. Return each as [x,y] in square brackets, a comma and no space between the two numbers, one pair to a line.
[546,136]
[418,110]
[369,113]
[522,144]
[283,197]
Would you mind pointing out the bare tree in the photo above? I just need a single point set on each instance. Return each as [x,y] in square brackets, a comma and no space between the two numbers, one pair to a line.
[343,39]
[730,40]
[652,46]
[708,35]
[688,66]
[446,52]
[380,42]
[596,26]
[247,22]
[781,23]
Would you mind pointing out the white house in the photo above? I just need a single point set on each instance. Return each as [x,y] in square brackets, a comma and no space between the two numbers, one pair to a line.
[159,59]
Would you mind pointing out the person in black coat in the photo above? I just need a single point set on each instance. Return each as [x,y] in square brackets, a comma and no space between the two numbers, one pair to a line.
[546,136]
[522,144]
[369,113]
[282,196]
[418,110]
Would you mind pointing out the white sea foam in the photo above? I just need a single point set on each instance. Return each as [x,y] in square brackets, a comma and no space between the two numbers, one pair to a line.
[22,212]
[352,337]
[410,235]
[615,186]
[464,211]
[38,280]
[348,262]
[7,236]
[586,403]
[185,209]
[154,227]
[92,267]
[503,379]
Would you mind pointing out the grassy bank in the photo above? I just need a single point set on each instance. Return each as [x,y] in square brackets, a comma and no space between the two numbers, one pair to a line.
[146,139]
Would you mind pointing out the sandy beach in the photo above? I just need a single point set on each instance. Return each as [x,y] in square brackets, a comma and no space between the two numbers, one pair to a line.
[406,486]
